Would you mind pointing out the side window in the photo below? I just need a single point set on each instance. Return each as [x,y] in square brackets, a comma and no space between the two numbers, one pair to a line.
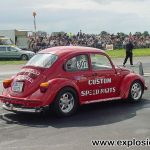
[2,49]
[8,48]
[11,49]
[100,62]
[77,63]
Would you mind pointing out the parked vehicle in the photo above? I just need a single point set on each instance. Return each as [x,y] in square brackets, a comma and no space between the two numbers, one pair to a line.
[66,77]
[13,52]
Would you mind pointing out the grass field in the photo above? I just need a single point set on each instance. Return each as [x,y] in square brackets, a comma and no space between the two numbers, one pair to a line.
[113,53]
[12,62]
[136,52]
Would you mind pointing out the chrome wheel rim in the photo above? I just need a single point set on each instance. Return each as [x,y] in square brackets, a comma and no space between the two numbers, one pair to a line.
[24,57]
[66,102]
[136,91]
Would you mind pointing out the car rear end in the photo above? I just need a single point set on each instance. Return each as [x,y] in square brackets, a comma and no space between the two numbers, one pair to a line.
[24,91]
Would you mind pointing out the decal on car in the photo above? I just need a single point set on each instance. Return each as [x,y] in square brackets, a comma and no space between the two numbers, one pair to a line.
[98,91]
[24,77]
[31,71]
[99,81]
[82,64]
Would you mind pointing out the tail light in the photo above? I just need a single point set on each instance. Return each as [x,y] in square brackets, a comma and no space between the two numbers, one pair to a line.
[44,86]
[7,83]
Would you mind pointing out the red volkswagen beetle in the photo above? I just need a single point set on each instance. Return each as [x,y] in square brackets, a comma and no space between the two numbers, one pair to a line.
[66,77]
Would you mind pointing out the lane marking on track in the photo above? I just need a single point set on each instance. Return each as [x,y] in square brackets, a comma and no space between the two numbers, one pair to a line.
[5,121]
[8,73]
[146,74]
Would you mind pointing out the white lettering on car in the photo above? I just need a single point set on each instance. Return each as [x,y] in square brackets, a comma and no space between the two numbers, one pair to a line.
[31,71]
[99,81]
[98,91]
[24,77]
[82,64]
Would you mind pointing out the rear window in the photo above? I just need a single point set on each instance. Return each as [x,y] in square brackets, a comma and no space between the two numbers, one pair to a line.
[2,49]
[42,60]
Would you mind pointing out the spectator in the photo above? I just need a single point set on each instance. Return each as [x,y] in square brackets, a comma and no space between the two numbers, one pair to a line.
[129,54]
[91,40]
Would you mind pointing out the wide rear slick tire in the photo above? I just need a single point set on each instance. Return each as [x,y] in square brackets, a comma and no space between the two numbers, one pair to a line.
[66,102]
[136,91]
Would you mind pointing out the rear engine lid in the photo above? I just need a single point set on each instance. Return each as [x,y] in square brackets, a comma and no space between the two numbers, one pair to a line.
[27,81]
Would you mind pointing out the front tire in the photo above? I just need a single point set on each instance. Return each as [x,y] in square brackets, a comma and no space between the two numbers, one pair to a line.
[136,91]
[24,57]
[66,102]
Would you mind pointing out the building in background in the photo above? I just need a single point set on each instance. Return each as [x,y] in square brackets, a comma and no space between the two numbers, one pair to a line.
[18,37]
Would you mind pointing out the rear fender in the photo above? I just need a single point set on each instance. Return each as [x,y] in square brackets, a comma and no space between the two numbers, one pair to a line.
[126,83]
[55,85]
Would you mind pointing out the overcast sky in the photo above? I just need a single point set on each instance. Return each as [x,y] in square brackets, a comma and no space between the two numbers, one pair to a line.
[91,16]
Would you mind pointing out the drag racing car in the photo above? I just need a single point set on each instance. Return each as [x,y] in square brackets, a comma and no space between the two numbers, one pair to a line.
[63,78]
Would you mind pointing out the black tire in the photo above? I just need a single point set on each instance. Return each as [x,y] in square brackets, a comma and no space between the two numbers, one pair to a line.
[136,91]
[66,102]
[24,57]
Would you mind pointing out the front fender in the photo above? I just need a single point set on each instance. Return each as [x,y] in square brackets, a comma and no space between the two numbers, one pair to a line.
[126,83]
[55,85]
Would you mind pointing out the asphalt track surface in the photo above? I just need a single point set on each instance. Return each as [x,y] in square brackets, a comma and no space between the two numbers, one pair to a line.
[117,120]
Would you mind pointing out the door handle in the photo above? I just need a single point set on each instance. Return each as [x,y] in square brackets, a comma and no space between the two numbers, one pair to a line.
[94,74]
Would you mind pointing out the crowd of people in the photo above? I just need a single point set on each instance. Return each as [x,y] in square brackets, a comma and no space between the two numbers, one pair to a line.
[90,40]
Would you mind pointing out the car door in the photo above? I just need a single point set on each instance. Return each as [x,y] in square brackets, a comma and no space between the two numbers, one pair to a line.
[104,82]
[12,52]
[3,52]
[78,70]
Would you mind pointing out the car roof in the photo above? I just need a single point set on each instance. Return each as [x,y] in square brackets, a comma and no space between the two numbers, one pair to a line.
[3,38]
[63,50]
[8,46]
[1,45]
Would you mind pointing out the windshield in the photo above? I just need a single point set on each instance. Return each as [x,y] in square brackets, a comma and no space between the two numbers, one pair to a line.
[42,60]
[15,48]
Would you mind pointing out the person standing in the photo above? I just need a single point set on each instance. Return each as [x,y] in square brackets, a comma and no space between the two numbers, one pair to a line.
[129,47]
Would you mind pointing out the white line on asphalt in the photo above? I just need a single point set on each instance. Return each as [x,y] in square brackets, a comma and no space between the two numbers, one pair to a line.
[3,121]
[8,127]
[146,74]
[8,73]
